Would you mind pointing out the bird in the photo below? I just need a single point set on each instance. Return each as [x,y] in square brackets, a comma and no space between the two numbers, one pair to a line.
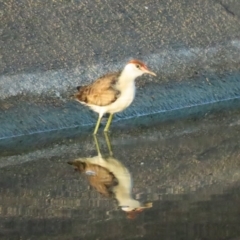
[112,92]
[110,178]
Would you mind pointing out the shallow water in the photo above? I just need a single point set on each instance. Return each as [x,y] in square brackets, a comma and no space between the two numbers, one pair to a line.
[177,180]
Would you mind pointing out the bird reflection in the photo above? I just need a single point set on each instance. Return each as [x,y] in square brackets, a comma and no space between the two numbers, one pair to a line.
[111,179]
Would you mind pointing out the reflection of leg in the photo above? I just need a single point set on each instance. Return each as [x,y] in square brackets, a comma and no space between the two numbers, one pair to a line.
[108,122]
[97,124]
[96,143]
[108,143]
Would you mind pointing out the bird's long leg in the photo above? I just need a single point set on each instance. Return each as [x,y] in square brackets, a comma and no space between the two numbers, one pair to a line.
[108,122]
[97,124]
[108,143]
[97,145]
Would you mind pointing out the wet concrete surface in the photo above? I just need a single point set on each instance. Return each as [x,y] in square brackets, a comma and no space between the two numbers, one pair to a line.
[180,177]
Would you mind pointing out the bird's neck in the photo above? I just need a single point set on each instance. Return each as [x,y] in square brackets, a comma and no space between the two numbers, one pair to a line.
[126,78]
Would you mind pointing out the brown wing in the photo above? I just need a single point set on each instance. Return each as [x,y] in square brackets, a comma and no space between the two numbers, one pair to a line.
[102,92]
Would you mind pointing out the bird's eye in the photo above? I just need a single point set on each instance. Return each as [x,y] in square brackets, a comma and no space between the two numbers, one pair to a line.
[138,66]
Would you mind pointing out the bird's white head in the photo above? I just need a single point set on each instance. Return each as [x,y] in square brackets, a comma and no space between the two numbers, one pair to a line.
[136,68]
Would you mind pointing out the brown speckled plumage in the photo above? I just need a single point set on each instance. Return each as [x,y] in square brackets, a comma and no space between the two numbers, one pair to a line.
[102,92]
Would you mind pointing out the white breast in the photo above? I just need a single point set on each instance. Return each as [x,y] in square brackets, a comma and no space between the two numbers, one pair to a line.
[125,99]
